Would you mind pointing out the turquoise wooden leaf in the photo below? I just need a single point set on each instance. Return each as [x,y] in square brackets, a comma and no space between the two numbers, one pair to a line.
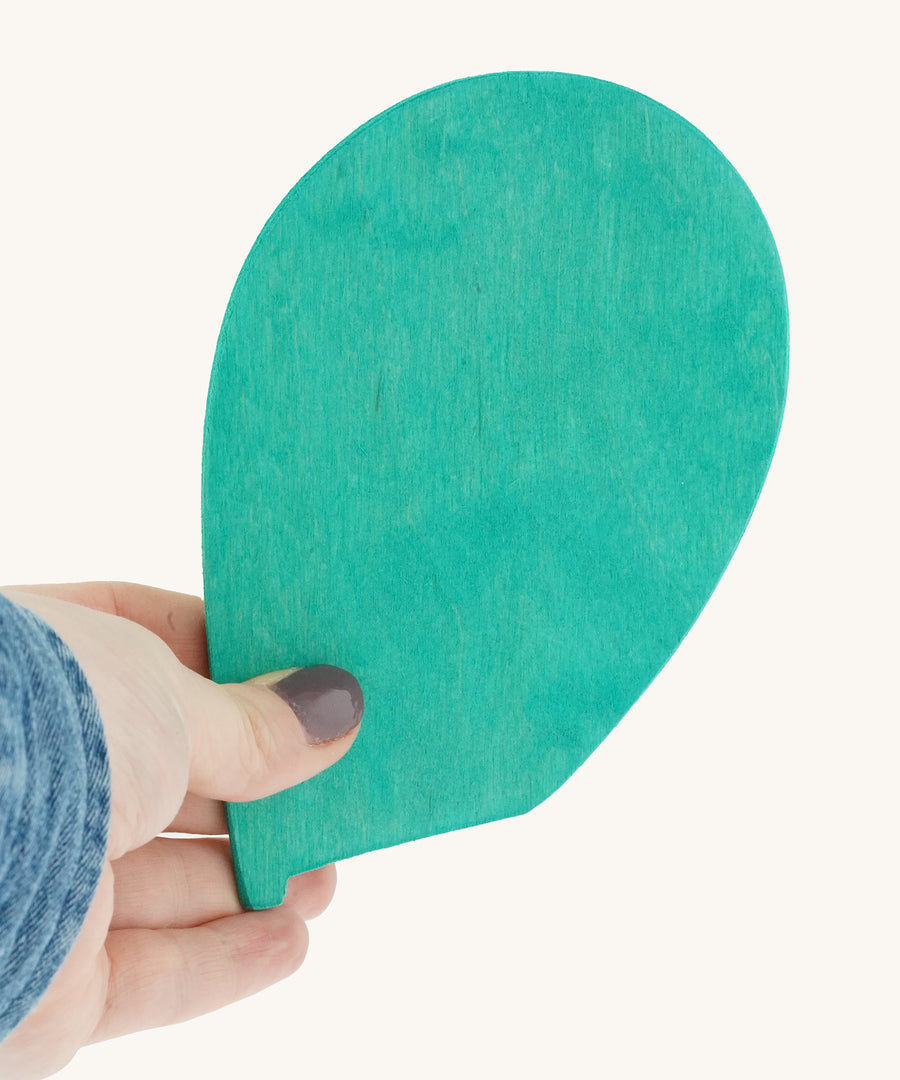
[493,399]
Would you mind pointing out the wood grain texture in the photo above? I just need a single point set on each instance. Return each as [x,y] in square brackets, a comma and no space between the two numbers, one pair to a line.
[494,397]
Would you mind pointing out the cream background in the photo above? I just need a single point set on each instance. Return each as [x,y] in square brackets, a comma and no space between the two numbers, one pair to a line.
[715,893]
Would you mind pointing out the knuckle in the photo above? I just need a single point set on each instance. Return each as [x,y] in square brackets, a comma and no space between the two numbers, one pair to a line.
[259,745]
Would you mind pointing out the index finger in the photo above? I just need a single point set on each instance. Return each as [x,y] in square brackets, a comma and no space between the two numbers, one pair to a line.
[177,618]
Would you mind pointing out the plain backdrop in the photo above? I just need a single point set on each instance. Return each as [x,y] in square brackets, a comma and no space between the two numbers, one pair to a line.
[715,893]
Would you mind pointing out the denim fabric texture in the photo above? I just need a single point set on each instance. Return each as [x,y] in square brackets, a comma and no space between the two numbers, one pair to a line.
[54,807]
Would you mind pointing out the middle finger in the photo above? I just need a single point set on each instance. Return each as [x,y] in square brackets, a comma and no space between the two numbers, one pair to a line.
[181,883]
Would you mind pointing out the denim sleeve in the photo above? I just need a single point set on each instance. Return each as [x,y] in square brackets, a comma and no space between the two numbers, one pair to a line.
[54,807]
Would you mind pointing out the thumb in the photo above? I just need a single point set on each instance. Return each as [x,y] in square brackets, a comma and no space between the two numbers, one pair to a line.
[251,739]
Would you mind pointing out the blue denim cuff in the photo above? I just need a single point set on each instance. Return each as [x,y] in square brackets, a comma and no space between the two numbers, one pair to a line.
[54,807]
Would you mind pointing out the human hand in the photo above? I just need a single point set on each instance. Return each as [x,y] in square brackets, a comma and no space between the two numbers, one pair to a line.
[166,938]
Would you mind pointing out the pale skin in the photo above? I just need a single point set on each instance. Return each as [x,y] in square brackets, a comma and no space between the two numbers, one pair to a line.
[166,938]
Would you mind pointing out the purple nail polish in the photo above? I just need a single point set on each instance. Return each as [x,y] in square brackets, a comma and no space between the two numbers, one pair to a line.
[328,701]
